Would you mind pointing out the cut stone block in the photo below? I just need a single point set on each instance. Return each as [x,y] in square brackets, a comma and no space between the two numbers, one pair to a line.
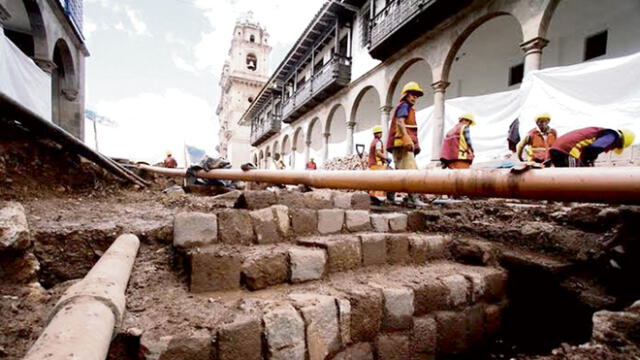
[344,318]
[14,229]
[360,201]
[235,227]
[194,229]
[416,221]
[424,337]
[344,253]
[342,200]
[330,221]
[398,308]
[265,268]
[284,332]
[452,332]
[241,340]
[430,295]
[318,199]
[358,220]
[374,249]
[398,248]
[195,346]
[360,351]
[418,249]
[438,246]
[257,199]
[320,315]
[366,312]
[214,270]
[393,347]
[380,223]
[459,288]
[492,319]
[281,214]
[307,264]
[397,222]
[265,227]
[475,325]
[290,199]
[304,221]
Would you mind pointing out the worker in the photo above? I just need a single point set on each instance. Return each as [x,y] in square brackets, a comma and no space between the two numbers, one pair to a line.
[377,161]
[538,141]
[277,159]
[402,140]
[170,162]
[311,165]
[580,148]
[457,151]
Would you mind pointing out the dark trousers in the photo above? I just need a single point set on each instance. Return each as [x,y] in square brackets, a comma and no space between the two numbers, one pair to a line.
[560,159]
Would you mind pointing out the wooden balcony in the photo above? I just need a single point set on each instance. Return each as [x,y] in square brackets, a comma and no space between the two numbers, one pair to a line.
[402,21]
[333,76]
[262,130]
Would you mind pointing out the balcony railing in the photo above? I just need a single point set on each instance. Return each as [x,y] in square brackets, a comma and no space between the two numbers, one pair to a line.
[262,130]
[402,21]
[334,75]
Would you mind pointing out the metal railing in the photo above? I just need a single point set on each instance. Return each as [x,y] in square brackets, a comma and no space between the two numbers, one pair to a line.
[263,129]
[394,16]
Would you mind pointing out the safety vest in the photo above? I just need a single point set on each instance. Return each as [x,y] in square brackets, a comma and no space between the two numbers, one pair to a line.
[454,146]
[539,145]
[411,125]
[574,142]
[373,158]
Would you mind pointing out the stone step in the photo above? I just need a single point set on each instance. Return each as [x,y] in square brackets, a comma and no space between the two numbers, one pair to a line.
[225,267]
[279,223]
[403,312]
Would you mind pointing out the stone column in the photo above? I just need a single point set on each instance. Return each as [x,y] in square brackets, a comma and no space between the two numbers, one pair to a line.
[439,89]
[293,157]
[307,152]
[533,53]
[385,117]
[325,149]
[350,127]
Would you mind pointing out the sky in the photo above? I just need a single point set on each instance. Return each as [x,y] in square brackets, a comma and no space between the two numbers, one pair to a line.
[155,67]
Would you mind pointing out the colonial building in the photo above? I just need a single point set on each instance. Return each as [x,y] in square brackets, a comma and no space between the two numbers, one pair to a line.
[49,34]
[245,72]
[345,72]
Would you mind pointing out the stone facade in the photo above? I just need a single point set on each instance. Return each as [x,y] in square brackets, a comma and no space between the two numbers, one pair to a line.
[245,72]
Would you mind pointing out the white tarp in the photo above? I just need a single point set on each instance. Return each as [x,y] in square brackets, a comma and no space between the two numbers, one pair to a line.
[602,93]
[22,80]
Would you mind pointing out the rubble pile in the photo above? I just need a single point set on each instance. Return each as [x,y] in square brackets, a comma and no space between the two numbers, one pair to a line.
[349,162]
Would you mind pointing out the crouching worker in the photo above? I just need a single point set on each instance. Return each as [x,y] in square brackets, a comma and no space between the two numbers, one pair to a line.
[457,151]
[580,148]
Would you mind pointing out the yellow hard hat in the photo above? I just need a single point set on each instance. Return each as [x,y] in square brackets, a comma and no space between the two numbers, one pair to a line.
[545,115]
[627,140]
[413,87]
[377,129]
[468,116]
[168,152]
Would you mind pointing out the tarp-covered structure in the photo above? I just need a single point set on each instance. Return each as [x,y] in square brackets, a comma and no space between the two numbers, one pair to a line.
[602,93]
[22,81]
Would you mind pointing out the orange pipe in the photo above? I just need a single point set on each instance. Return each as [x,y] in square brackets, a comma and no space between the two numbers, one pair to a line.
[606,185]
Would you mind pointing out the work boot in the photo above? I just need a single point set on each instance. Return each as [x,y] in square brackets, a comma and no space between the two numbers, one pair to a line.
[413,201]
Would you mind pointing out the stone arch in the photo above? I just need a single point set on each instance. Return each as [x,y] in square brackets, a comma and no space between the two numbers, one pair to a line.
[276,149]
[267,155]
[365,114]
[464,35]
[314,140]
[260,159]
[286,146]
[299,144]
[416,69]
[255,160]
[337,129]
[38,30]
[547,14]
[64,91]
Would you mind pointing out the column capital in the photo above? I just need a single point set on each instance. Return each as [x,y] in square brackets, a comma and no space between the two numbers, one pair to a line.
[351,125]
[45,64]
[386,109]
[308,143]
[293,149]
[440,86]
[326,135]
[534,45]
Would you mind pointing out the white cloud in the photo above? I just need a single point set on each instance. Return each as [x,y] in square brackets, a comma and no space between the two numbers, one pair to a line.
[150,124]
[182,64]
[139,26]
[89,27]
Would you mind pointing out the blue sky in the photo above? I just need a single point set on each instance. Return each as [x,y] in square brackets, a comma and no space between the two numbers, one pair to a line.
[155,64]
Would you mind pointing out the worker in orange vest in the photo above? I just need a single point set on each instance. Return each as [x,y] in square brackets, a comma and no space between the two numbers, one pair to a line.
[311,165]
[169,161]
[457,151]
[377,159]
[538,141]
[580,148]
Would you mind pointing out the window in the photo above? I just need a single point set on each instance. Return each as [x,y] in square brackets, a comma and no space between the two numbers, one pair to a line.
[252,62]
[343,46]
[516,73]
[252,38]
[318,66]
[595,45]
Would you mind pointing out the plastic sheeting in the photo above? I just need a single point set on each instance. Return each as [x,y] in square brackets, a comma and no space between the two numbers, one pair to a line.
[22,80]
[602,93]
